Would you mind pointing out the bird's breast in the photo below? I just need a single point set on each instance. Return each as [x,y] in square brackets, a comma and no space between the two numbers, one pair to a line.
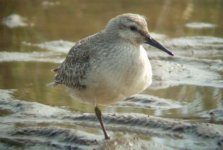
[128,72]
[139,75]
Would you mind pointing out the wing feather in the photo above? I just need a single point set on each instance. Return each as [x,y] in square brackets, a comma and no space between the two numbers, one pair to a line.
[72,72]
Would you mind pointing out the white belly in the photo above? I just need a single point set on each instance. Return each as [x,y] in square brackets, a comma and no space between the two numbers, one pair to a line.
[141,76]
[122,78]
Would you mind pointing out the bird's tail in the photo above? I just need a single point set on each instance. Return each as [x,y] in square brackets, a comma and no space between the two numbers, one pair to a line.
[52,84]
[55,70]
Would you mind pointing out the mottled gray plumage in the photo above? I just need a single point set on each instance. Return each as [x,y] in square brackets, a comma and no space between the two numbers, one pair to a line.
[72,71]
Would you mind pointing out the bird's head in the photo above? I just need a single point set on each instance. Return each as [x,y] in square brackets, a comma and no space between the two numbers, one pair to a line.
[133,28]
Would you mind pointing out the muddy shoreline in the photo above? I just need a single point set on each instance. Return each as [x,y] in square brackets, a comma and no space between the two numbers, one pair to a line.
[30,125]
[175,116]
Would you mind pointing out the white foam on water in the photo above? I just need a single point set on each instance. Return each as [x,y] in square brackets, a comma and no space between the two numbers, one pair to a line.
[187,71]
[196,41]
[14,21]
[29,56]
[199,25]
[57,45]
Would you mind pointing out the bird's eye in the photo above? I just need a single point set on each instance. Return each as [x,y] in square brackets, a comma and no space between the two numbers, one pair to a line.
[133,28]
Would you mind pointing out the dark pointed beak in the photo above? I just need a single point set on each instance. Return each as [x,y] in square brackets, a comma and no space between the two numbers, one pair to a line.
[154,43]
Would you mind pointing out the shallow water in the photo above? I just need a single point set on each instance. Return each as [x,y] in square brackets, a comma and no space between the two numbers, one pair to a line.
[36,35]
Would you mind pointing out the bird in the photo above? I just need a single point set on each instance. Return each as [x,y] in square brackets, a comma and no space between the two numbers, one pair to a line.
[110,65]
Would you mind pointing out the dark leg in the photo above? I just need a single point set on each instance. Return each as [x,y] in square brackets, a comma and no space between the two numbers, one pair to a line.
[99,116]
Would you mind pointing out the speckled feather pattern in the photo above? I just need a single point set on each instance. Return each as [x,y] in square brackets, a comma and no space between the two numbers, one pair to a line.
[72,71]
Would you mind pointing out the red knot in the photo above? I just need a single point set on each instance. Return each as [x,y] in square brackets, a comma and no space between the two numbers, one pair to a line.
[110,65]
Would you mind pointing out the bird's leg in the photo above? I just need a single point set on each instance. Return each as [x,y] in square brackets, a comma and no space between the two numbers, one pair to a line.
[99,116]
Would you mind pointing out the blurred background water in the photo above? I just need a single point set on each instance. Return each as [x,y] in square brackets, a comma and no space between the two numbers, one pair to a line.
[35,36]
[26,66]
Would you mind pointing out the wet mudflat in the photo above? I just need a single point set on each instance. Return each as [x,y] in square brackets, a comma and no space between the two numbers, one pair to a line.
[181,110]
